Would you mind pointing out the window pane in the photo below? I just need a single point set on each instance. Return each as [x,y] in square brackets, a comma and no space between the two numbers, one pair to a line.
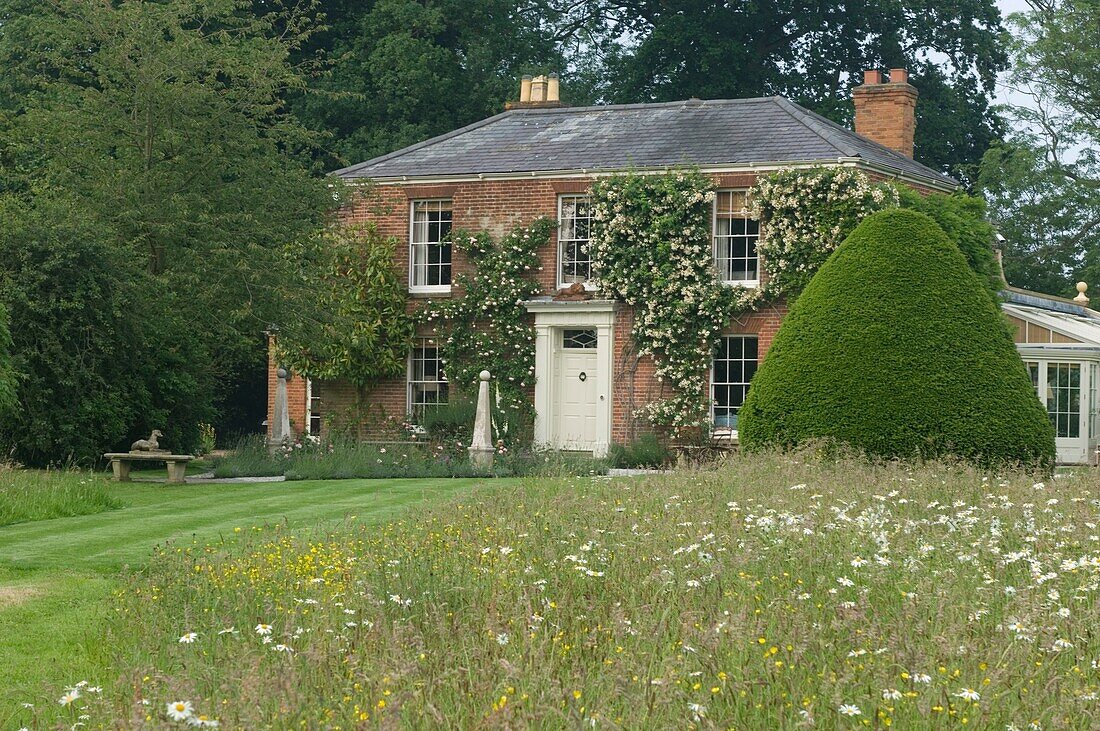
[735,237]
[733,368]
[574,262]
[427,383]
[430,253]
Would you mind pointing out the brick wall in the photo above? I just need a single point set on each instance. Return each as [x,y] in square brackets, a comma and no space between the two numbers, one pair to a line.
[497,207]
[885,110]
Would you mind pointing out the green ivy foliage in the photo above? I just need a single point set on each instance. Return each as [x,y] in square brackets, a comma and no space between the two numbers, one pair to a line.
[651,248]
[899,356]
[365,332]
[487,327]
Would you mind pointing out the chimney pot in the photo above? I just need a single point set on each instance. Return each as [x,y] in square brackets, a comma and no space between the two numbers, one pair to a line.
[552,88]
[872,77]
[525,89]
[899,76]
[538,89]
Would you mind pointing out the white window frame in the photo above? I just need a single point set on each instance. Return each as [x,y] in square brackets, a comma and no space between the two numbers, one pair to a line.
[751,283]
[589,284]
[426,288]
[419,344]
[729,430]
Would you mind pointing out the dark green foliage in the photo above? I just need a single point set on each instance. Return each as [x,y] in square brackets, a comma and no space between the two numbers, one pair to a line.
[363,331]
[811,53]
[8,376]
[645,451]
[155,185]
[105,355]
[895,348]
[1050,222]
[405,70]
[963,218]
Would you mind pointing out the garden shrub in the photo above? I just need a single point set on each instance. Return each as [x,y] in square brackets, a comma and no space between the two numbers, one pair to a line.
[897,349]
[963,218]
[645,451]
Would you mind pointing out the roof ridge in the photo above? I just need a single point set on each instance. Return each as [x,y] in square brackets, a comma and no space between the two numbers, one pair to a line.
[812,121]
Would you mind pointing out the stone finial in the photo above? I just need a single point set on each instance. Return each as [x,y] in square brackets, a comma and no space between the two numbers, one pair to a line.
[1082,298]
[481,445]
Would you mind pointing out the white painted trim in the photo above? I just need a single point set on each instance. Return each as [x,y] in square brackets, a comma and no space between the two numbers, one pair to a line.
[856,162]
[550,318]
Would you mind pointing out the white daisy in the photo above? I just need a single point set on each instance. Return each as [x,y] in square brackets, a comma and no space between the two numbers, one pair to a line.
[179,711]
[847,709]
[263,629]
[188,638]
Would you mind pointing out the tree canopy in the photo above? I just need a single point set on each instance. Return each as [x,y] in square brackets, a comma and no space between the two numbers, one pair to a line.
[150,166]
[1043,184]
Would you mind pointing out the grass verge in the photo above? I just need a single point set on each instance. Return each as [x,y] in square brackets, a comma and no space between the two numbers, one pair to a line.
[28,495]
[773,592]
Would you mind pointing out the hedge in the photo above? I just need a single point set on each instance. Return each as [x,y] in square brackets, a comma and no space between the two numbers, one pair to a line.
[897,348]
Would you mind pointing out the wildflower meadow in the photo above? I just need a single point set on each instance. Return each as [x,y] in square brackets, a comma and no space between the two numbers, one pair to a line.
[772,592]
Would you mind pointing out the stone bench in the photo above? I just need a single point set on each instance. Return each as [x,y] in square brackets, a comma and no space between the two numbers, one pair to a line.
[177,464]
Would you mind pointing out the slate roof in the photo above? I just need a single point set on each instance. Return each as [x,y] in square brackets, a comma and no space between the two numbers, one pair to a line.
[739,132]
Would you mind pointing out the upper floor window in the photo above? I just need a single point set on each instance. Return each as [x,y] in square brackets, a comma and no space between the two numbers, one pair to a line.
[574,222]
[735,237]
[429,247]
[733,369]
[427,384]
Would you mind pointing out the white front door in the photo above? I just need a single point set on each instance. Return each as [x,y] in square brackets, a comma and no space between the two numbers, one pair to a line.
[577,389]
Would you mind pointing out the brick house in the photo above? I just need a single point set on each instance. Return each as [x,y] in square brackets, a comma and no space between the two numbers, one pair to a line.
[539,158]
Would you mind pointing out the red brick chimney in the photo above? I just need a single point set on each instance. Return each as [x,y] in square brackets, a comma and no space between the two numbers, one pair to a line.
[886,110]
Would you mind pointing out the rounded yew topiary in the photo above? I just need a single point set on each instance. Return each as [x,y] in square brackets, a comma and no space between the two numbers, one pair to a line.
[897,349]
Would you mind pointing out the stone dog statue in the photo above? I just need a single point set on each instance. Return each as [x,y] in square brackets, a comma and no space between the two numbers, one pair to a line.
[147,445]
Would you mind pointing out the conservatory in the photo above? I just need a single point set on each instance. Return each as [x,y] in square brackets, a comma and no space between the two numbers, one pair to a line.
[1059,341]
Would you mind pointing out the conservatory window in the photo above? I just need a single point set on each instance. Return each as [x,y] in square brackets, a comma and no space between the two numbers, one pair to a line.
[429,246]
[731,373]
[1064,398]
[735,238]
[574,223]
[427,384]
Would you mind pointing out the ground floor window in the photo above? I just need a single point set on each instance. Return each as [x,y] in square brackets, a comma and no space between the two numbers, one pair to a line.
[1063,389]
[427,384]
[1059,390]
[733,369]
[314,415]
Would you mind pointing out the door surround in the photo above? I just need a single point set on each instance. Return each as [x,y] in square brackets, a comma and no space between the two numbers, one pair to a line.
[550,318]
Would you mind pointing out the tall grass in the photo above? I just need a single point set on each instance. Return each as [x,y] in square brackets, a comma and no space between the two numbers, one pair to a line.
[27,495]
[774,592]
[349,459]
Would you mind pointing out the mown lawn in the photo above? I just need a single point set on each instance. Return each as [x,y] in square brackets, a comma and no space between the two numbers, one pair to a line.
[57,576]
